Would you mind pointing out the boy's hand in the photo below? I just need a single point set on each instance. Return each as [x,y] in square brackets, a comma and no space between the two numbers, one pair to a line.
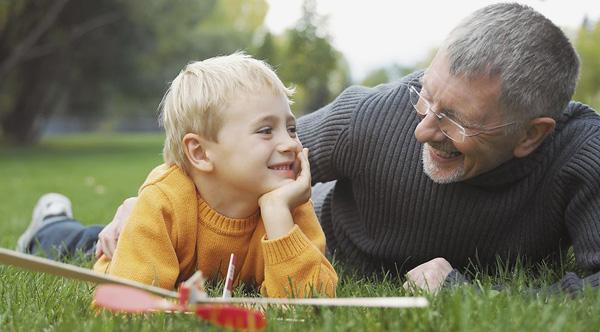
[294,193]
[108,237]
[276,205]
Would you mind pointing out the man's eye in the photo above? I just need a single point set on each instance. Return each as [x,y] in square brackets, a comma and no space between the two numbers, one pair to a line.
[265,131]
[292,129]
[452,116]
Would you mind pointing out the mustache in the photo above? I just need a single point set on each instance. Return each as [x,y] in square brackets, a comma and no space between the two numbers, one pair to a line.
[446,146]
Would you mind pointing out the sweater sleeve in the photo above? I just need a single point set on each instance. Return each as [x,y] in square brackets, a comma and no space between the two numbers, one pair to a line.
[295,264]
[146,251]
[325,133]
[581,181]
[570,284]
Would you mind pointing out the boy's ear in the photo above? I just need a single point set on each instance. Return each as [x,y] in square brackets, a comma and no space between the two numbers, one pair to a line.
[536,132]
[194,147]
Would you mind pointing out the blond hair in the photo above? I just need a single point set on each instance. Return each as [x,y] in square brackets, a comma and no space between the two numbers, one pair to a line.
[203,89]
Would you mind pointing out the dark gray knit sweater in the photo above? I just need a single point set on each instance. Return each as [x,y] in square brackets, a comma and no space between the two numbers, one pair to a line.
[385,213]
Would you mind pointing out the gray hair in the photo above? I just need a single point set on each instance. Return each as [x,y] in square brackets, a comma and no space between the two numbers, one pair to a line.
[534,59]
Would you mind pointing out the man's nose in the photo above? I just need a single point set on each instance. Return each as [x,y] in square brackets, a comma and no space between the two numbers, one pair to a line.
[428,130]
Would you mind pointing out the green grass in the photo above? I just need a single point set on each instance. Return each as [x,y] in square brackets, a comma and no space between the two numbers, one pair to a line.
[98,172]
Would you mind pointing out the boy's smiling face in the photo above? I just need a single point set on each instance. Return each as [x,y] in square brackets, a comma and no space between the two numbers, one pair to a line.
[257,144]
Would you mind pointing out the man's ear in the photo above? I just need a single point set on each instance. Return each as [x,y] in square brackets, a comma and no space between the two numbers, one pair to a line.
[536,131]
[195,147]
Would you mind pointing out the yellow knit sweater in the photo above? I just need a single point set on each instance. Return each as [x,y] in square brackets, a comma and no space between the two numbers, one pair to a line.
[172,232]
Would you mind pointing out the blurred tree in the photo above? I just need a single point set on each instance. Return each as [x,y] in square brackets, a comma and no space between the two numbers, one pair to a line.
[308,60]
[183,31]
[41,43]
[376,77]
[88,57]
[587,42]
[396,71]
[388,74]
[267,50]
[340,77]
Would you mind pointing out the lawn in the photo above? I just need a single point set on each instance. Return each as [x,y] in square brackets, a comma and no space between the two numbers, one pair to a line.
[97,172]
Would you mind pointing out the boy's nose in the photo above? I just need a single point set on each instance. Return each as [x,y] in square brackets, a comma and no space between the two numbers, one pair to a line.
[428,130]
[289,144]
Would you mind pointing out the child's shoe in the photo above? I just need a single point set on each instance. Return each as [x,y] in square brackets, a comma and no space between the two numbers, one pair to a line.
[49,205]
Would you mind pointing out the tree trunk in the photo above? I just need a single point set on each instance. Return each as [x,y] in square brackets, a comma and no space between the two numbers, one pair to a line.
[35,99]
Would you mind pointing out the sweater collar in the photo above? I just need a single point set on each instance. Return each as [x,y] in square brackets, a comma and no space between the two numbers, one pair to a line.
[224,224]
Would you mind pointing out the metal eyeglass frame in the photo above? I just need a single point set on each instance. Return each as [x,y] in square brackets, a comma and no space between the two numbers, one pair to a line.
[442,116]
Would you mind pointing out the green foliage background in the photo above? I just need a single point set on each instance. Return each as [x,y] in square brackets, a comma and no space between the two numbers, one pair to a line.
[587,42]
[107,63]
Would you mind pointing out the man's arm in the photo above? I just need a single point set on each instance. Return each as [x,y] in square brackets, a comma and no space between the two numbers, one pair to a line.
[438,273]
[325,133]
[580,178]
[107,239]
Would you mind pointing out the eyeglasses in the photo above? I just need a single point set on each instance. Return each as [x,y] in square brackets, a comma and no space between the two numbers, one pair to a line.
[451,129]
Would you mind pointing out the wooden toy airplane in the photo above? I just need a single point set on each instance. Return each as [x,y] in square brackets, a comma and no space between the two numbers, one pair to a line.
[123,295]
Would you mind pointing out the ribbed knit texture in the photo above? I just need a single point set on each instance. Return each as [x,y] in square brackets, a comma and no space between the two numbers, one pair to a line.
[172,232]
[386,214]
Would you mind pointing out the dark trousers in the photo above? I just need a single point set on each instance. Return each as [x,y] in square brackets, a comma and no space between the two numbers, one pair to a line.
[64,238]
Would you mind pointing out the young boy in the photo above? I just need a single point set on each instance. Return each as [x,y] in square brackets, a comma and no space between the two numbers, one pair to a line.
[235,180]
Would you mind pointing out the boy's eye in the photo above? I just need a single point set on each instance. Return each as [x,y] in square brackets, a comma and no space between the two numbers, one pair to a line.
[292,130]
[265,131]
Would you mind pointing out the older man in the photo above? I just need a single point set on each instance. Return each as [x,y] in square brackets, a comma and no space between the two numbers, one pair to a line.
[479,158]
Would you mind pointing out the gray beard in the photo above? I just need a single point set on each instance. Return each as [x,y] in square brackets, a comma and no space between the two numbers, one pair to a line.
[433,171]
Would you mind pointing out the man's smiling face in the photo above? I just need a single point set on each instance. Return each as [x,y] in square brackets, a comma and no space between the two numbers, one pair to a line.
[472,102]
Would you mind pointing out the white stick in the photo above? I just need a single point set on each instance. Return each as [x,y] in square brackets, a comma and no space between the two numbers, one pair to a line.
[229,278]
[39,264]
[370,302]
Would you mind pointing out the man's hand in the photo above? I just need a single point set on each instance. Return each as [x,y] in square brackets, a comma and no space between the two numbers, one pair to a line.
[108,237]
[428,276]
[276,205]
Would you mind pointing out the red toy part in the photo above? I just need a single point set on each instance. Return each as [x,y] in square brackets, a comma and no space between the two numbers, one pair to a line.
[184,294]
[118,298]
[232,317]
